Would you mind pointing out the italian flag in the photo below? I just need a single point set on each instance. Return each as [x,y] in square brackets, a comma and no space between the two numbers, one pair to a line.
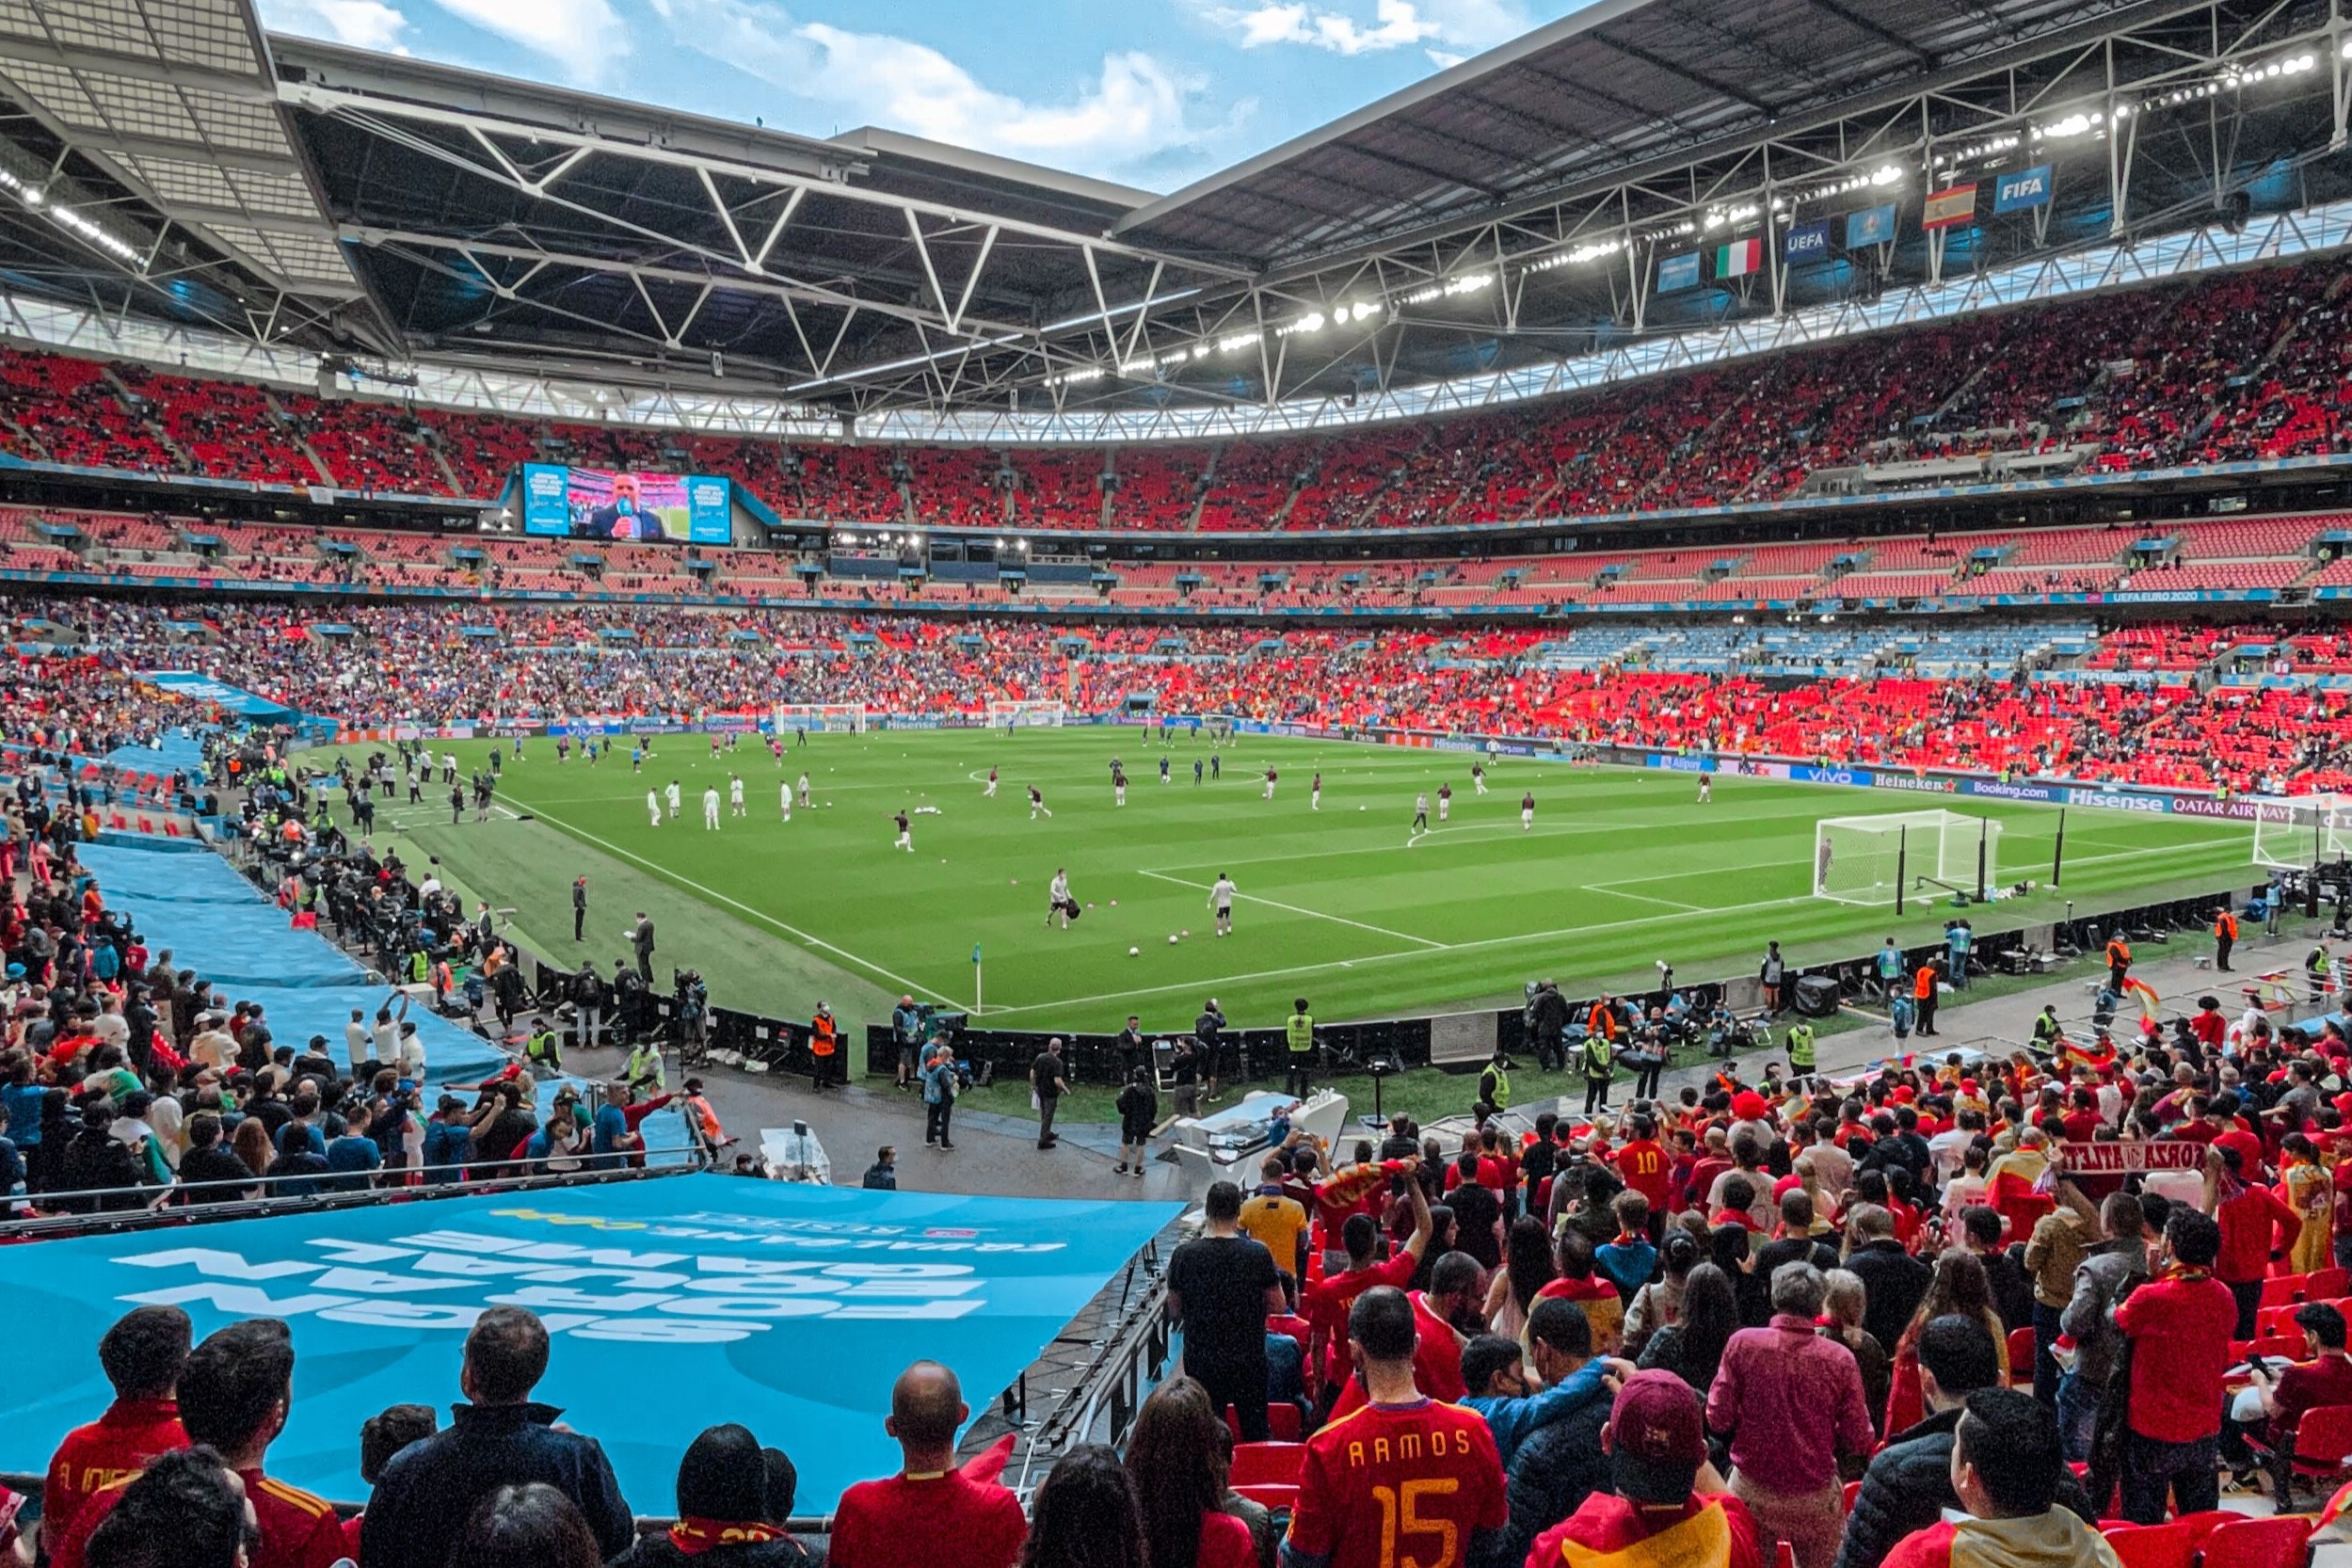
[1739,258]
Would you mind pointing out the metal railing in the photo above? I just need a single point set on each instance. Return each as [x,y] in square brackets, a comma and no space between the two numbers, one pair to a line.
[178,1204]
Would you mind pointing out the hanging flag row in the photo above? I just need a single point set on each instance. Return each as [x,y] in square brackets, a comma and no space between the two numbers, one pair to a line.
[1809,241]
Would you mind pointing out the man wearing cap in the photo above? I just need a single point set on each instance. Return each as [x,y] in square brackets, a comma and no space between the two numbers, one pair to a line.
[1665,1504]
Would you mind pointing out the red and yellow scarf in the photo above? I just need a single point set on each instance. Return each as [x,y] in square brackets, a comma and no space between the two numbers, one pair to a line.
[693,1537]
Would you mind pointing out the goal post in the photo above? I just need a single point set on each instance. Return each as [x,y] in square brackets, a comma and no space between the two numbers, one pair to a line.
[844,717]
[1878,859]
[2303,831]
[1028,715]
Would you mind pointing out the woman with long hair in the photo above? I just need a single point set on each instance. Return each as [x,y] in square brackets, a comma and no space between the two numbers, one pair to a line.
[1659,1302]
[1527,1267]
[1843,1309]
[250,1143]
[1691,1346]
[2310,1191]
[1085,1515]
[1958,1288]
[533,1526]
[1178,1458]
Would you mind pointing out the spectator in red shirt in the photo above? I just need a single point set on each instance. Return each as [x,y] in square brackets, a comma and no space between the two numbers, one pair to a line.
[2288,1395]
[2207,1023]
[930,1515]
[1452,1295]
[2254,1222]
[1326,1305]
[2005,1464]
[2179,1326]
[235,1393]
[186,1509]
[1642,1161]
[141,1355]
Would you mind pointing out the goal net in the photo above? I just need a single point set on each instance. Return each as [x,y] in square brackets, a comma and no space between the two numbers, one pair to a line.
[1028,715]
[840,717]
[2303,831]
[1866,859]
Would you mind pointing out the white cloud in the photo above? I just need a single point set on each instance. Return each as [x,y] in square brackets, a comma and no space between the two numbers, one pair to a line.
[361,23]
[584,38]
[1134,109]
[1445,29]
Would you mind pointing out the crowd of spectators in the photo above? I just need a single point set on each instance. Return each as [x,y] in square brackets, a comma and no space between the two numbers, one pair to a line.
[1901,1321]
[373,664]
[2234,365]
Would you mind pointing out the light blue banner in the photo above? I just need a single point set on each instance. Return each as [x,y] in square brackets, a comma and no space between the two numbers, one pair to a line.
[674,1302]
[1676,273]
[545,507]
[1870,226]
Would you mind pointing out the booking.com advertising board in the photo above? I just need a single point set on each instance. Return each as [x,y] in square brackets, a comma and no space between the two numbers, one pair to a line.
[672,1304]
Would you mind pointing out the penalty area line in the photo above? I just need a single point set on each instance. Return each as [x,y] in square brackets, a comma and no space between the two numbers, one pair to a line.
[762,916]
[1296,909]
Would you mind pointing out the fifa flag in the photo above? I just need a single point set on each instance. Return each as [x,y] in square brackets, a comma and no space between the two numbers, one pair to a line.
[2027,187]
[1678,272]
[1950,205]
[1739,258]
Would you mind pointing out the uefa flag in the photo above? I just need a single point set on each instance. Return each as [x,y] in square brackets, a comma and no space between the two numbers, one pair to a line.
[1739,258]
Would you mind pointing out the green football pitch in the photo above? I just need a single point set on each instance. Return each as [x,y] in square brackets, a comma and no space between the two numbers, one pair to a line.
[1623,868]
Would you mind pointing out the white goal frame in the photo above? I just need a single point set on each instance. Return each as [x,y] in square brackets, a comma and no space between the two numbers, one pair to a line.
[2290,832]
[1035,714]
[1875,859]
[843,717]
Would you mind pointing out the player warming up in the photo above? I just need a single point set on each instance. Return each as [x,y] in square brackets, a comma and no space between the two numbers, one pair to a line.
[1444,803]
[735,795]
[905,834]
[1058,900]
[803,790]
[653,807]
[1315,792]
[1118,785]
[1706,787]
[671,796]
[1478,777]
[1527,811]
[1270,785]
[711,809]
[1420,812]
[786,801]
[1037,807]
[1221,899]
[990,792]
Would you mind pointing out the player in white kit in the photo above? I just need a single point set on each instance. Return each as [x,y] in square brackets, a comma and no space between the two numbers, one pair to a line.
[671,796]
[735,795]
[653,807]
[787,801]
[804,790]
[711,809]
[1221,899]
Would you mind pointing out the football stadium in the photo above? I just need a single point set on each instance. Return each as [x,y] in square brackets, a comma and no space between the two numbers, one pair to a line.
[1588,767]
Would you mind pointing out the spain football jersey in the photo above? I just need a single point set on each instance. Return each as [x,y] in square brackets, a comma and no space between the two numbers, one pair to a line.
[1398,1486]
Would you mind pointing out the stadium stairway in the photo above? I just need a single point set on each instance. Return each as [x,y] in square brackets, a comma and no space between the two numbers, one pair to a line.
[215,922]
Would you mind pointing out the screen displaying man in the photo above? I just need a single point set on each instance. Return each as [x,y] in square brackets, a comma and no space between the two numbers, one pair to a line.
[622,515]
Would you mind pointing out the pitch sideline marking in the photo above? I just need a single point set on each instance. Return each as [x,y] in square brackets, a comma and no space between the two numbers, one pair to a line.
[1298,909]
[760,915]
[1384,957]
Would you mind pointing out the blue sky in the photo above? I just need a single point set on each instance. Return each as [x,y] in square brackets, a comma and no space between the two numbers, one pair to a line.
[1154,93]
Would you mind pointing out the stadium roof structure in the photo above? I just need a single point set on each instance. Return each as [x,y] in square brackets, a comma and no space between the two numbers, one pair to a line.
[174,170]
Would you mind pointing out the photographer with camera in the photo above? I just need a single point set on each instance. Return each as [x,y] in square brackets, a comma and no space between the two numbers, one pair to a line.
[690,1014]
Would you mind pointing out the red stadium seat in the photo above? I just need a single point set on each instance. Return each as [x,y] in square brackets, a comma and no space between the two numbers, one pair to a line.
[2327,1284]
[2281,1542]
[2173,1545]
[1282,1420]
[2286,1291]
[1275,1463]
[2020,1359]
[2322,1448]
